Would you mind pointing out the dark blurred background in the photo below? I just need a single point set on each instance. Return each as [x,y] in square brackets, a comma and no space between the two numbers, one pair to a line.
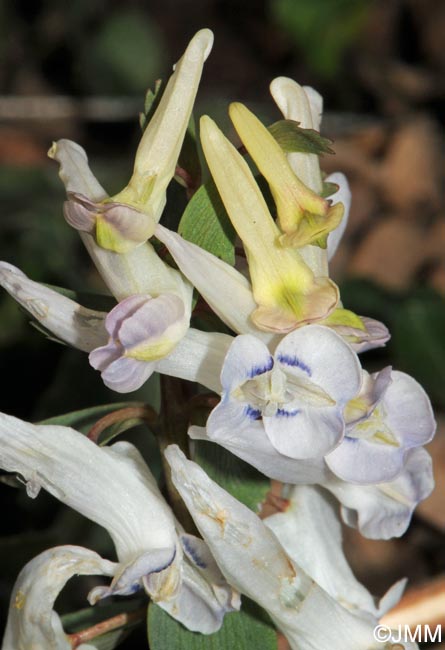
[80,70]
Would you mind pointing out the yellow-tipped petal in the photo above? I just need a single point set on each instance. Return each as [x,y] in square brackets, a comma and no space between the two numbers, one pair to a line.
[284,288]
[160,146]
[295,202]
[314,229]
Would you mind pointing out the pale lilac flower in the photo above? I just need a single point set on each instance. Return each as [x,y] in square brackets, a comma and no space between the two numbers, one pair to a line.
[295,397]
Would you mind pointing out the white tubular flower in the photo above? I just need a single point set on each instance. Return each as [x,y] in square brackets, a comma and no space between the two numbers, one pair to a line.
[253,560]
[76,325]
[32,621]
[113,487]
[197,357]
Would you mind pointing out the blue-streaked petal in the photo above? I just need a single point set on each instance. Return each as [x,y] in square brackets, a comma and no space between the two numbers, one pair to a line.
[247,358]
[384,511]
[320,354]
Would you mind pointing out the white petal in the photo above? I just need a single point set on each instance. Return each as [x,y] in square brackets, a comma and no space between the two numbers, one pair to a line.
[32,621]
[384,511]
[310,533]
[305,433]
[342,195]
[320,354]
[250,443]
[251,558]
[199,357]
[364,461]
[408,411]
[74,170]
[112,486]
[76,325]
[226,290]
[247,358]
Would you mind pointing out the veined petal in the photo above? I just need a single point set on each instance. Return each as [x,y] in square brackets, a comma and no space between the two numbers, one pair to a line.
[76,325]
[284,288]
[252,559]
[112,486]
[137,271]
[226,290]
[384,511]
[294,103]
[32,621]
[302,213]
[320,354]
[310,532]
[161,143]
[343,196]
[247,358]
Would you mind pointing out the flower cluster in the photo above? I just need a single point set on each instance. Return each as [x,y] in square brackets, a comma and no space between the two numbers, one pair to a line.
[294,400]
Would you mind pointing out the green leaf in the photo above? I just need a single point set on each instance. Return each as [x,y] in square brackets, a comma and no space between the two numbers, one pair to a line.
[152,99]
[244,630]
[205,222]
[241,480]
[189,158]
[291,137]
[84,419]
[418,342]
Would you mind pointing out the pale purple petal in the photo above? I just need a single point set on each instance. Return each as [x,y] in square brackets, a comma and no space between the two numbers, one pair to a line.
[299,432]
[79,217]
[409,414]
[124,309]
[342,195]
[252,445]
[152,320]
[247,358]
[376,335]
[102,357]
[319,354]
[384,511]
[364,462]
[126,374]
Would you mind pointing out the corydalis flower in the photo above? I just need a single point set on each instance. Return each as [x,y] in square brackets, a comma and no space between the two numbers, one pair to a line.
[113,487]
[32,621]
[252,559]
[295,397]
[127,220]
[391,416]
[142,330]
